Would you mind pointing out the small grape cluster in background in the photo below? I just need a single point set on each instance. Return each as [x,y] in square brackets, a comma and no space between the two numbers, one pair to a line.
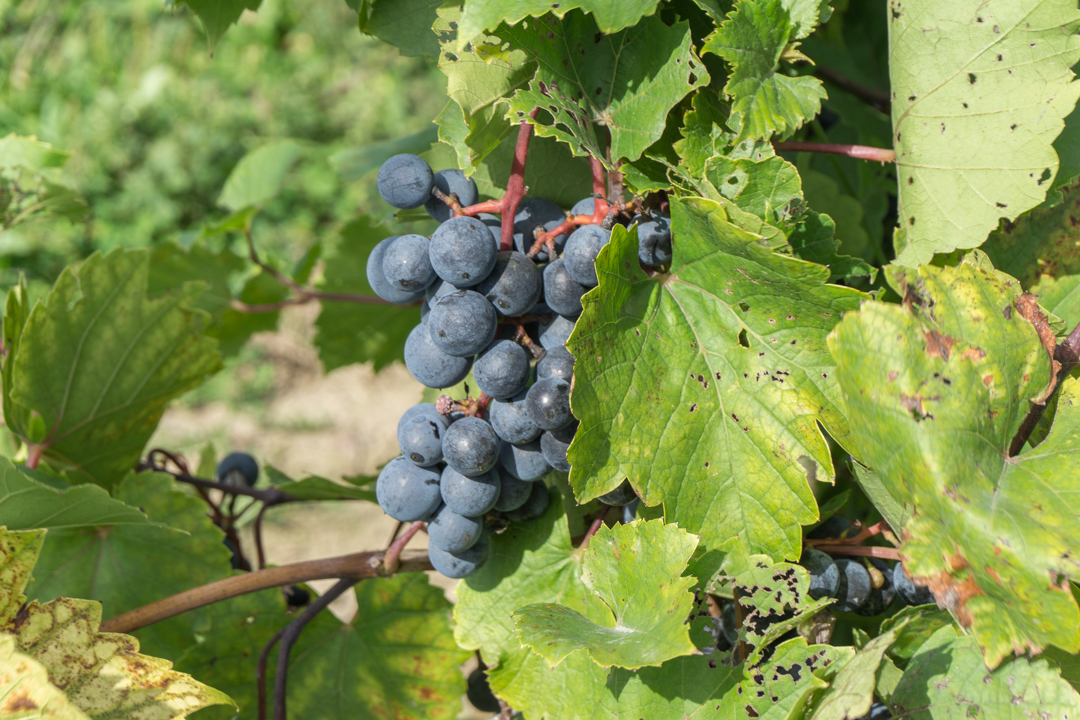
[482,307]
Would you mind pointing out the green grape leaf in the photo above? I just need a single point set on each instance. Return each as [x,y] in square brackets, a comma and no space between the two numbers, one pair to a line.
[890,508]
[706,689]
[703,133]
[1069,664]
[947,679]
[99,361]
[320,488]
[16,311]
[708,382]
[636,570]
[229,652]
[552,171]
[25,690]
[935,391]
[769,188]
[18,553]
[473,138]
[531,563]
[752,40]
[102,674]
[851,693]
[1000,78]
[914,627]
[218,15]
[627,81]
[259,175]
[610,16]
[347,332]
[405,24]
[395,659]
[30,153]
[236,327]
[779,687]
[1040,250]
[26,503]
[127,566]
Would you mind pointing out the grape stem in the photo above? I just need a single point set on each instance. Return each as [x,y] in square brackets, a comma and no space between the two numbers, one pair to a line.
[515,186]
[522,338]
[1066,356]
[260,672]
[357,566]
[393,553]
[594,528]
[859,152]
[860,550]
[33,455]
[292,634]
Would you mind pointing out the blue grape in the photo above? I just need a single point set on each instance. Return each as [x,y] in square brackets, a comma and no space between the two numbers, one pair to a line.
[581,251]
[462,564]
[533,213]
[419,434]
[428,364]
[462,323]
[494,224]
[237,468]
[462,252]
[514,492]
[377,278]
[881,595]
[654,239]
[479,692]
[451,181]
[406,492]
[562,293]
[502,369]
[511,421]
[824,574]
[854,587]
[584,207]
[514,284]
[439,289]
[557,363]
[555,443]
[910,593]
[555,332]
[878,711]
[454,533]
[548,402]
[425,309]
[470,496]
[534,507]
[406,264]
[525,462]
[622,495]
[629,511]
[470,446]
[523,247]
[405,181]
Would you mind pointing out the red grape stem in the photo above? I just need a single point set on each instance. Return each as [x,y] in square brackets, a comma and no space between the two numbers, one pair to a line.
[859,152]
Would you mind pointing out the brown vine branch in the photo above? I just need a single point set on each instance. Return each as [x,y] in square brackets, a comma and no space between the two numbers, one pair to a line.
[859,152]
[860,551]
[393,553]
[357,566]
[874,98]
[1066,356]
[292,634]
[260,672]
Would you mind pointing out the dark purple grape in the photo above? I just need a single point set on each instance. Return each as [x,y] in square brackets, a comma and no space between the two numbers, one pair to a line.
[622,495]
[470,496]
[555,443]
[562,293]
[910,593]
[525,462]
[419,434]
[513,286]
[462,323]
[451,181]
[514,493]
[502,369]
[534,507]
[406,492]
[470,446]
[452,532]
[557,363]
[511,420]
[461,564]
[406,263]
[429,365]
[548,402]
[581,251]
[824,575]
[555,333]
[462,252]
[405,181]
[377,278]
[237,468]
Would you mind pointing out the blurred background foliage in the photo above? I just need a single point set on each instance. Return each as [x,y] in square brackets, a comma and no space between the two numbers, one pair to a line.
[154,124]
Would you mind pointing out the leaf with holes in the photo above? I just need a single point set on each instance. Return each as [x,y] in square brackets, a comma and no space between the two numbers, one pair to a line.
[627,81]
[395,658]
[707,383]
[102,674]
[531,563]
[99,360]
[753,39]
[610,17]
[1000,79]
[946,678]
[405,24]
[348,332]
[127,566]
[635,569]
[781,684]
[935,391]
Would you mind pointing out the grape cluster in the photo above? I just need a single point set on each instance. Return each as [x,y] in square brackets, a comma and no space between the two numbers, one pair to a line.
[482,306]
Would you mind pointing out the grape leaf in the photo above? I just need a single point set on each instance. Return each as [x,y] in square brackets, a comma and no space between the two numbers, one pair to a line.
[473,138]
[25,690]
[752,40]
[127,566]
[769,188]
[349,332]
[609,15]
[999,79]
[935,391]
[314,487]
[635,569]
[26,504]
[258,176]
[30,153]
[780,686]
[229,652]
[405,24]
[218,15]
[947,679]
[915,625]
[708,382]
[1041,251]
[98,361]
[102,674]
[530,563]
[852,691]
[705,691]
[552,171]
[627,81]
[395,658]
[703,133]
